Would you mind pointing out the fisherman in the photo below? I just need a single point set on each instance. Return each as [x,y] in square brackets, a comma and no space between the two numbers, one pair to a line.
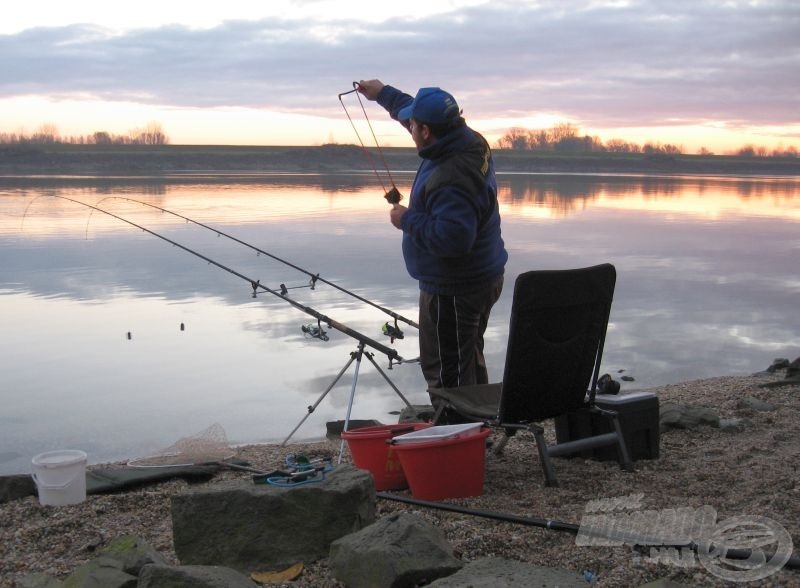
[451,232]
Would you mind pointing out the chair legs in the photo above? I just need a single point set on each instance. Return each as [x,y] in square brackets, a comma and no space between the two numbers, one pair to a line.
[544,456]
[565,448]
[624,456]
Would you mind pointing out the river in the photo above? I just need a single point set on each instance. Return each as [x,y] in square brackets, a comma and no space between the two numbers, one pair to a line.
[119,343]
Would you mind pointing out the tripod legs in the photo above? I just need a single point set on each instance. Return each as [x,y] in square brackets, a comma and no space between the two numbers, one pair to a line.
[313,407]
[354,356]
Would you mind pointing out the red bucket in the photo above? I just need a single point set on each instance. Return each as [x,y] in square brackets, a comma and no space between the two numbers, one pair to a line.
[449,468]
[371,451]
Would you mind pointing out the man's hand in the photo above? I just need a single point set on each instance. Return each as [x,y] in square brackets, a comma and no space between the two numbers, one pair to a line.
[396,215]
[370,88]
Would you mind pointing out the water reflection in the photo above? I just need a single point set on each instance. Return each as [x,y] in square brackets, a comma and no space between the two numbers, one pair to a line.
[564,194]
[703,290]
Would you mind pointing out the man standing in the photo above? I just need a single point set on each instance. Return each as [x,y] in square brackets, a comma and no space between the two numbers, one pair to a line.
[451,233]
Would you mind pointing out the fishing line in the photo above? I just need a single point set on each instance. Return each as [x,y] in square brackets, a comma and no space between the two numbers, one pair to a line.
[314,277]
[255,284]
[392,196]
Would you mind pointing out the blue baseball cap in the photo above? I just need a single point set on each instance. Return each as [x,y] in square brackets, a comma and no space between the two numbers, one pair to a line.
[431,105]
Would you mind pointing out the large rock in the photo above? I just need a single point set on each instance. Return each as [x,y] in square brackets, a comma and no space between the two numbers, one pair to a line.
[102,571]
[253,527]
[16,486]
[39,580]
[133,553]
[493,572]
[751,403]
[417,413]
[398,551]
[116,566]
[159,576]
[680,416]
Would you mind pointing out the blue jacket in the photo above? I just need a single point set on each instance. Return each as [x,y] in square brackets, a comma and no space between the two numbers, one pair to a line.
[451,231]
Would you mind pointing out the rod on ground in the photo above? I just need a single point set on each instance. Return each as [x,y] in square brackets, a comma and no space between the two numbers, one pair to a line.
[793,562]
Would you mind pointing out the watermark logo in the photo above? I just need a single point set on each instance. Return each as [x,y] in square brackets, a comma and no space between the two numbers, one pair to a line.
[687,537]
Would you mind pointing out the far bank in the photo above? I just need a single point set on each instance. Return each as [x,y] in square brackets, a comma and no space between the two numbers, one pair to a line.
[146,160]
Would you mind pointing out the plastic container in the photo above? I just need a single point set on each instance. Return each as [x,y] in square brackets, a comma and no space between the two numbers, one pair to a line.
[371,451]
[440,433]
[446,468]
[60,477]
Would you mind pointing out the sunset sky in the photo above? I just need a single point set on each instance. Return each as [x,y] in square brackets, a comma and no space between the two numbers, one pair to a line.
[713,74]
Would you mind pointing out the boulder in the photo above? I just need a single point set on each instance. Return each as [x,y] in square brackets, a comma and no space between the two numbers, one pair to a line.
[16,486]
[755,404]
[116,565]
[734,425]
[793,369]
[254,527]
[160,576]
[398,551]
[102,571]
[680,416]
[495,572]
[133,553]
[39,580]
[417,413]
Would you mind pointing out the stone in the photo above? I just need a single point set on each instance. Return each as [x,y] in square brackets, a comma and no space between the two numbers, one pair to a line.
[161,576]
[734,425]
[664,583]
[333,429]
[495,572]
[254,527]
[416,414]
[399,551]
[679,416]
[102,571]
[39,581]
[607,385]
[133,553]
[779,363]
[756,404]
[16,486]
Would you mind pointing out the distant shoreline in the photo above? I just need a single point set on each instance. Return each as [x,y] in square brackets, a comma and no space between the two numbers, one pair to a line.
[162,160]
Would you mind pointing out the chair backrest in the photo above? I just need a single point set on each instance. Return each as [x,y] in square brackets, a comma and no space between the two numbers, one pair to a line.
[558,326]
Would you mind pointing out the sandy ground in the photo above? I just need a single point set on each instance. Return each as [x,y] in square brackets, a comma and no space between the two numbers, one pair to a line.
[738,474]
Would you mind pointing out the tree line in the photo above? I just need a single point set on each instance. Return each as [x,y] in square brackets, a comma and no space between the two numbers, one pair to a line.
[566,138]
[47,134]
[563,137]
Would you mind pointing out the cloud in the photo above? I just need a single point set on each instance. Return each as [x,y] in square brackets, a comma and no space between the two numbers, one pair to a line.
[600,63]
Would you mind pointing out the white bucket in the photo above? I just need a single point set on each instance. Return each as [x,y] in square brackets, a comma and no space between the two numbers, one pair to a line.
[60,476]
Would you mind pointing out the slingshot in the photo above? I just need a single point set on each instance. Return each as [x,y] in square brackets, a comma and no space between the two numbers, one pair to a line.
[393,195]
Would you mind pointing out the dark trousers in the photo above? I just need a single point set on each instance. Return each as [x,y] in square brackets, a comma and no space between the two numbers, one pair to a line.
[451,332]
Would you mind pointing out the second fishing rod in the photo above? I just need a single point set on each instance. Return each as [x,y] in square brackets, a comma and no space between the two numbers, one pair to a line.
[392,354]
[394,331]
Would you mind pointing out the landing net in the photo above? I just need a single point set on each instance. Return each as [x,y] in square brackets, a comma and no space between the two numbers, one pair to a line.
[206,447]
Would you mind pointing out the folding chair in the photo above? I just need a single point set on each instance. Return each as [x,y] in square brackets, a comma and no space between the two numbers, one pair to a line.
[555,344]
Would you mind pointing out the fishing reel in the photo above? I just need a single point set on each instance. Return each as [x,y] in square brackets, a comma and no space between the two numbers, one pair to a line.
[393,196]
[315,331]
[392,331]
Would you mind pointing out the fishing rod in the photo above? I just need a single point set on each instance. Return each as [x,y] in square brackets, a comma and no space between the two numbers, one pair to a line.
[394,332]
[791,562]
[256,285]
[392,196]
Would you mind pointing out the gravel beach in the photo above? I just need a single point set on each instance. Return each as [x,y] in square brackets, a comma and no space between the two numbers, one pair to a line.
[752,470]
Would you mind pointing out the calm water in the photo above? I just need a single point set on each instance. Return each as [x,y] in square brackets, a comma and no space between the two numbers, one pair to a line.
[707,286]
